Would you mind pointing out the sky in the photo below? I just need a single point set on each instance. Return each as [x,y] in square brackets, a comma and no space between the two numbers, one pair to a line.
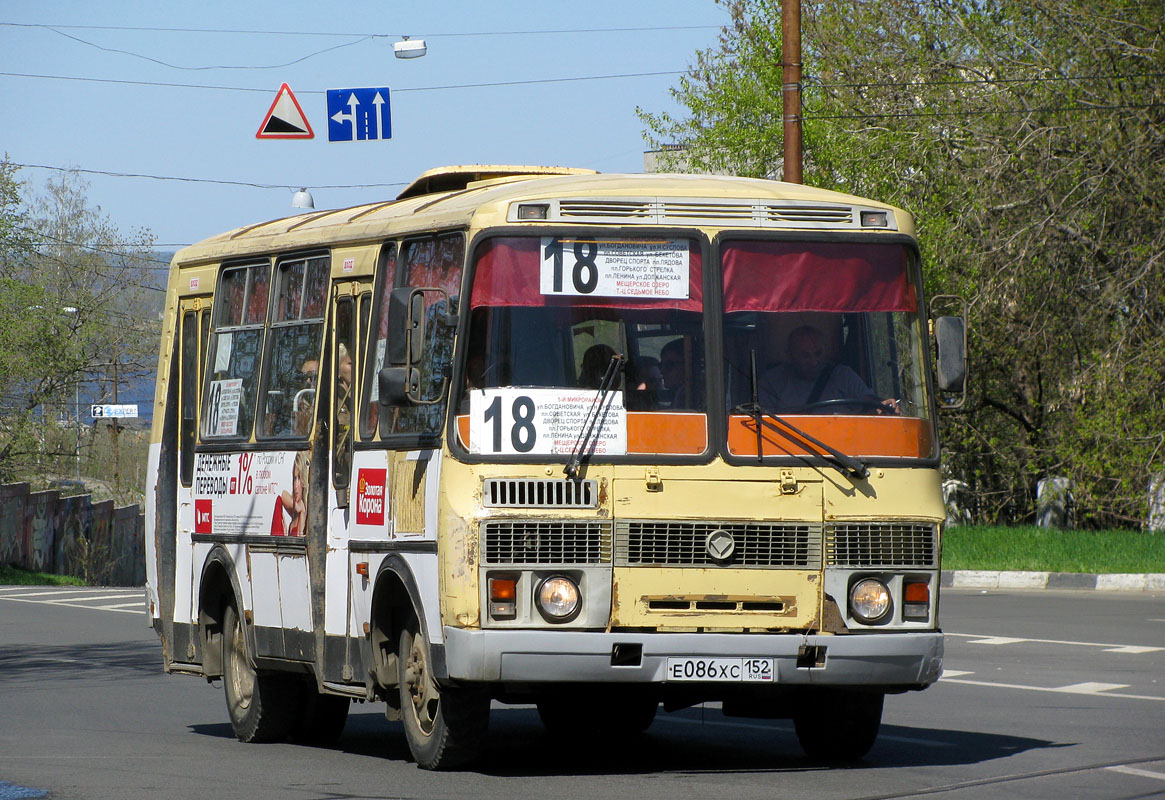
[504,82]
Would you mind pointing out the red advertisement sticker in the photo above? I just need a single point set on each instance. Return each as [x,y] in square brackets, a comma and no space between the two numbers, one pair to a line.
[203,522]
[370,496]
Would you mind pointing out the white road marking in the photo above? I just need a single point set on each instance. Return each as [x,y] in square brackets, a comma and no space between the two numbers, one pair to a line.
[1144,773]
[955,673]
[1074,689]
[121,596]
[139,610]
[1092,687]
[1108,648]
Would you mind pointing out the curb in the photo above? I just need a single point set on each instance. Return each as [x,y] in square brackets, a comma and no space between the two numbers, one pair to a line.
[1117,582]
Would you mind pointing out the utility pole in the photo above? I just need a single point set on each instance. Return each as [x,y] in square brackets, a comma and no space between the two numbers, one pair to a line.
[791,88]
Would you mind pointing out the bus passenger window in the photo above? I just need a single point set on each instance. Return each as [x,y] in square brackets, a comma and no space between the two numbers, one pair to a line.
[294,359]
[233,355]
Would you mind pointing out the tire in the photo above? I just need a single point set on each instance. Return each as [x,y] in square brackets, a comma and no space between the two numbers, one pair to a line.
[445,727]
[321,718]
[262,706]
[603,713]
[838,726]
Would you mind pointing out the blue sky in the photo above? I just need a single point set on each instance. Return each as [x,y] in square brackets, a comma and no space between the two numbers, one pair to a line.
[136,115]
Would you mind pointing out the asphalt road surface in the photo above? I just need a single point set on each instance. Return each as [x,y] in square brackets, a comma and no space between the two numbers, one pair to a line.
[1046,694]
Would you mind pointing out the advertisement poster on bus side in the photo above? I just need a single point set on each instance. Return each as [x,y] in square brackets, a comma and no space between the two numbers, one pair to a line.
[262,493]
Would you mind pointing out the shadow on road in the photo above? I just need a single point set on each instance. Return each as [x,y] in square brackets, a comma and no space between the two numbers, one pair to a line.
[684,742]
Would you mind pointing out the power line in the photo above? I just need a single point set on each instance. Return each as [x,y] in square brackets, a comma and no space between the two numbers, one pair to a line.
[214,66]
[991,113]
[466,34]
[112,174]
[165,85]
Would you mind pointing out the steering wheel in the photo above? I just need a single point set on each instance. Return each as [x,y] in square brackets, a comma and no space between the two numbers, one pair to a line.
[861,402]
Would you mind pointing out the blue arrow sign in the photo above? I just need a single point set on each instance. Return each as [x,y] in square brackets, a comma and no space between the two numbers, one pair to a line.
[357,115]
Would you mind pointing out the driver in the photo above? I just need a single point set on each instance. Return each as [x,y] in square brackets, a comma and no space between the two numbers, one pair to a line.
[806,378]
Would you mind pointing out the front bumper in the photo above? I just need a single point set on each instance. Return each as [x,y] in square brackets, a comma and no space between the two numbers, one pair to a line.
[898,660]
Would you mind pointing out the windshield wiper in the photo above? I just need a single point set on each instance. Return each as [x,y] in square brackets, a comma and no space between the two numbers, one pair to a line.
[574,465]
[849,465]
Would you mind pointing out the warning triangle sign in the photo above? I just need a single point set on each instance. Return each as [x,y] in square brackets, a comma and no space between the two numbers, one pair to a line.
[285,119]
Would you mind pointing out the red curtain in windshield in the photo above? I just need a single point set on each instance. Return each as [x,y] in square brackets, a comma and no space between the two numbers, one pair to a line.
[816,276]
[507,275]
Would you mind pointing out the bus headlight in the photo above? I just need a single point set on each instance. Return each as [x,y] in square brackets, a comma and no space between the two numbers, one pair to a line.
[869,600]
[559,599]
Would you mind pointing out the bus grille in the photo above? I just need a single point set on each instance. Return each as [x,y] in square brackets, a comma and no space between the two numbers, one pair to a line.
[538,493]
[545,542]
[684,544]
[877,544]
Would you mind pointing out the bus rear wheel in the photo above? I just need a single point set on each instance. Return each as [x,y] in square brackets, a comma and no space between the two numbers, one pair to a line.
[837,725]
[262,706]
[445,726]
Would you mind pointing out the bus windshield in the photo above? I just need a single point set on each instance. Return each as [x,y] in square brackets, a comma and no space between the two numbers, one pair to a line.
[548,314]
[818,330]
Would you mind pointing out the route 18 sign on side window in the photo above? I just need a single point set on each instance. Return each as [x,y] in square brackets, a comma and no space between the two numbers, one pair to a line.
[519,421]
[643,269]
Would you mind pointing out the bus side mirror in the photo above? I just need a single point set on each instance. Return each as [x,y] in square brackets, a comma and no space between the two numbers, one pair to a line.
[950,335]
[399,386]
[406,312]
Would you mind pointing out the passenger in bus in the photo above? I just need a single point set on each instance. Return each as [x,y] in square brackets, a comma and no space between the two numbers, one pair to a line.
[681,382]
[644,383]
[343,385]
[305,396]
[596,360]
[807,379]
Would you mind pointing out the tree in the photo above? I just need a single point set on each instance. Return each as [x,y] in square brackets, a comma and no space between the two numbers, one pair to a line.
[73,290]
[1028,138]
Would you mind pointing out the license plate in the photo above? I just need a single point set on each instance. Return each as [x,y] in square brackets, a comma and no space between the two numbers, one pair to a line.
[732,670]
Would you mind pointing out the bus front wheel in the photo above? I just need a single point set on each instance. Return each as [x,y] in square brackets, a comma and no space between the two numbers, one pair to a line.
[837,725]
[445,726]
[262,706]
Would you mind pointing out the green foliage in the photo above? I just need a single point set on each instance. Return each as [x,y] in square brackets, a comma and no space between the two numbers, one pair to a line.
[15,576]
[1050,550]
[1028,138]
[73,292]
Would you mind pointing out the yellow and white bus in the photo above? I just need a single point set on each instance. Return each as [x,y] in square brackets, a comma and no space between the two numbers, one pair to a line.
[540,435]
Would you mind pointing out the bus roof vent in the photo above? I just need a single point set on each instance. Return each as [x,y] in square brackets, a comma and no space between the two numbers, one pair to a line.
[539,493]
[456,178]
[694,211]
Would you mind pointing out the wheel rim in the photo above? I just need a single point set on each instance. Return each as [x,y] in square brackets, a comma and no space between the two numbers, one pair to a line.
[424,699]
[239,673]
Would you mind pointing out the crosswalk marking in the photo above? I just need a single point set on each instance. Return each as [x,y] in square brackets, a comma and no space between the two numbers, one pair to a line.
[1134,649]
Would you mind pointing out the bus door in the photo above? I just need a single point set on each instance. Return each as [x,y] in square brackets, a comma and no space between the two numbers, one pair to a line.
[176,554]
[350,307]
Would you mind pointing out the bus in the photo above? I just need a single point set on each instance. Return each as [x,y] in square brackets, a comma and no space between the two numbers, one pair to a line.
[599,444]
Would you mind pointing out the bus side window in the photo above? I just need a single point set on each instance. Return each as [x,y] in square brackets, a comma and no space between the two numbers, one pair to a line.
[344,386]
[235,344]
[431,262]
[188,394]
[293,359]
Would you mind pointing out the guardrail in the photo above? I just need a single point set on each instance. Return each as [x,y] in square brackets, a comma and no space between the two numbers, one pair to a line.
[97,542]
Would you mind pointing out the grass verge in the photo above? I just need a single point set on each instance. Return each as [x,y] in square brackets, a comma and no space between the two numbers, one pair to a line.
[15,576]
[1049,550]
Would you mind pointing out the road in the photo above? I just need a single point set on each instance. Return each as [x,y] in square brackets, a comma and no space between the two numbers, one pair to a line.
[1046,695]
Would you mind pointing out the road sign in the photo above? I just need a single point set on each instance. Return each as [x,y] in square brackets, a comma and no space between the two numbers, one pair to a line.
[108,410]
[358,115]
[285,119]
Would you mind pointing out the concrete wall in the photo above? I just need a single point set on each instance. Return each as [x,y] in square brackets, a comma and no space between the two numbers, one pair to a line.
[44,532]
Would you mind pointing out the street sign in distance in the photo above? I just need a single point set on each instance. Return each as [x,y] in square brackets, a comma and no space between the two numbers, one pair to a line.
[108,410]
[359,115]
